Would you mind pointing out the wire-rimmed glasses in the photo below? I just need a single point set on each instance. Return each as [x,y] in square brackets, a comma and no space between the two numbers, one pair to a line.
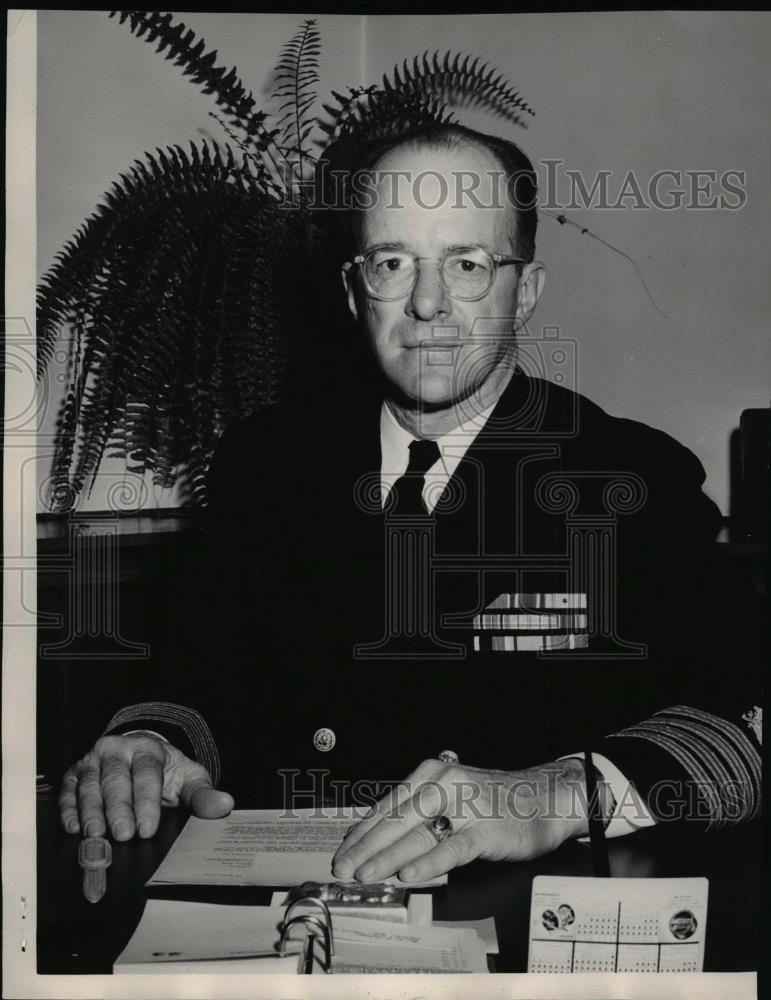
[466,273]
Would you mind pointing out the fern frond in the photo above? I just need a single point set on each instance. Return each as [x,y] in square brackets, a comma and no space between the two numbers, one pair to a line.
[418,92]
[370,115]
[459,80]
[180,45]
[297,74]
[179,292]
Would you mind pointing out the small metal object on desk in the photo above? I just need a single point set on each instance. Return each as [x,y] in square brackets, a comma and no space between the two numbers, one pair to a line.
[349,894]
[94,857]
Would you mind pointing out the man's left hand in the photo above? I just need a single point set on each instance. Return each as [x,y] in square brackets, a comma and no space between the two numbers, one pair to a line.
[495,815]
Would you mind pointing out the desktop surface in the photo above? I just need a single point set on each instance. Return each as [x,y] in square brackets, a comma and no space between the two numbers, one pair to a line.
[78,937]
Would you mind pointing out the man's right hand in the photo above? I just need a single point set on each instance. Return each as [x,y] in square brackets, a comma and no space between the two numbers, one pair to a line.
[123,781]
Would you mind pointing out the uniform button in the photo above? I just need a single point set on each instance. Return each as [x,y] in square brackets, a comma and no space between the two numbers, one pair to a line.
[324,739]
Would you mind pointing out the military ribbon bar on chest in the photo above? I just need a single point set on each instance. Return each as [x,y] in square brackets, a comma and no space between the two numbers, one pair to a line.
[532,623]
[565,622]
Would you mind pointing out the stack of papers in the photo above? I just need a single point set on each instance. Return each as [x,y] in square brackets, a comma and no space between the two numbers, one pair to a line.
[576,924]
[175,936]
[281,849]
[185,937]
[375,946]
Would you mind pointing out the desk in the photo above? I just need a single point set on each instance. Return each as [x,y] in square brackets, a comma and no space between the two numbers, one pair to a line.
[77,937]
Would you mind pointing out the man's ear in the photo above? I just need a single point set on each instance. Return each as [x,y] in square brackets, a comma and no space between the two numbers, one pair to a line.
[531,283]
[347,276]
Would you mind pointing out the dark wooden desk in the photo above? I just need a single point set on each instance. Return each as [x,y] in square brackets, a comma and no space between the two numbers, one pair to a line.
[77,937]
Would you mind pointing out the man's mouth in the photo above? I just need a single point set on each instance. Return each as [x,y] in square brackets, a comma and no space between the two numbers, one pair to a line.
[433,343]
[434,353]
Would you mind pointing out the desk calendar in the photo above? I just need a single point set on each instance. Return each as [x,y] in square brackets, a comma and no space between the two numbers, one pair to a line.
[617,925]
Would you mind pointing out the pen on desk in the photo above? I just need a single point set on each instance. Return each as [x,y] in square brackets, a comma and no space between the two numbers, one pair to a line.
[94,857]
[307,958]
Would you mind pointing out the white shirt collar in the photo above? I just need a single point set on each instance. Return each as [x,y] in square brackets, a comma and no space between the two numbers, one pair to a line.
[395,442]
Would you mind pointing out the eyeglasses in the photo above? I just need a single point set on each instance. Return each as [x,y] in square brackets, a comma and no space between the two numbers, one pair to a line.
[466,273]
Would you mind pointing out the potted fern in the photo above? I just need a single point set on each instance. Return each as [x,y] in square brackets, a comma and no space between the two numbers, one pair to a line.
[180,291]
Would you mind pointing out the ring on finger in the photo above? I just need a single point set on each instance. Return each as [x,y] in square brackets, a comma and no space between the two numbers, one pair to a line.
[440,827]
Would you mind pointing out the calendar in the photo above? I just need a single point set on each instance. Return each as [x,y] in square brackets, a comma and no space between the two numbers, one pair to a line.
[617,924]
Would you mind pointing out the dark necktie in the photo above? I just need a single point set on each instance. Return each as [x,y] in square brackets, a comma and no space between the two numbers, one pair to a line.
[406,494]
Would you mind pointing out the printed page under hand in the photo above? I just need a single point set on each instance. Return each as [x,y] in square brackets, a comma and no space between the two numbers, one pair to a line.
[270,847]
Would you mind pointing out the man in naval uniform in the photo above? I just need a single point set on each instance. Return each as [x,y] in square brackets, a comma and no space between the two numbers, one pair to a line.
[441,591]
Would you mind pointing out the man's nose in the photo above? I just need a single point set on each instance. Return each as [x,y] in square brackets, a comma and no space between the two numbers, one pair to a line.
[429,297]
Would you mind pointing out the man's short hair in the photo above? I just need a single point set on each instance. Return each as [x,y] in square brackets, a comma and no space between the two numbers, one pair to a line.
[519,187]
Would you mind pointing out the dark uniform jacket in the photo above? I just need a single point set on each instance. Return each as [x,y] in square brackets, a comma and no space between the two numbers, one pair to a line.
[566,593]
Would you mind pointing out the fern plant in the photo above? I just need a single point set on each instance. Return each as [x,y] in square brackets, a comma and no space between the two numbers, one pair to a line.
[180,291]
[298,74]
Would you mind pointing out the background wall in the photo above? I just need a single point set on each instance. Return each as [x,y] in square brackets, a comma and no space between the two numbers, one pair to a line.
[614,92]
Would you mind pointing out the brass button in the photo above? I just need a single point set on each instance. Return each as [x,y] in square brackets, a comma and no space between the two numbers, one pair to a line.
[324,739]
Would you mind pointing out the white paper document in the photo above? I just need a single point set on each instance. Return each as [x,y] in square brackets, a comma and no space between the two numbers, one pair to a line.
[617,924]
[259,847]
[484,927]
[172,934]
[176,937]
[376,946]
